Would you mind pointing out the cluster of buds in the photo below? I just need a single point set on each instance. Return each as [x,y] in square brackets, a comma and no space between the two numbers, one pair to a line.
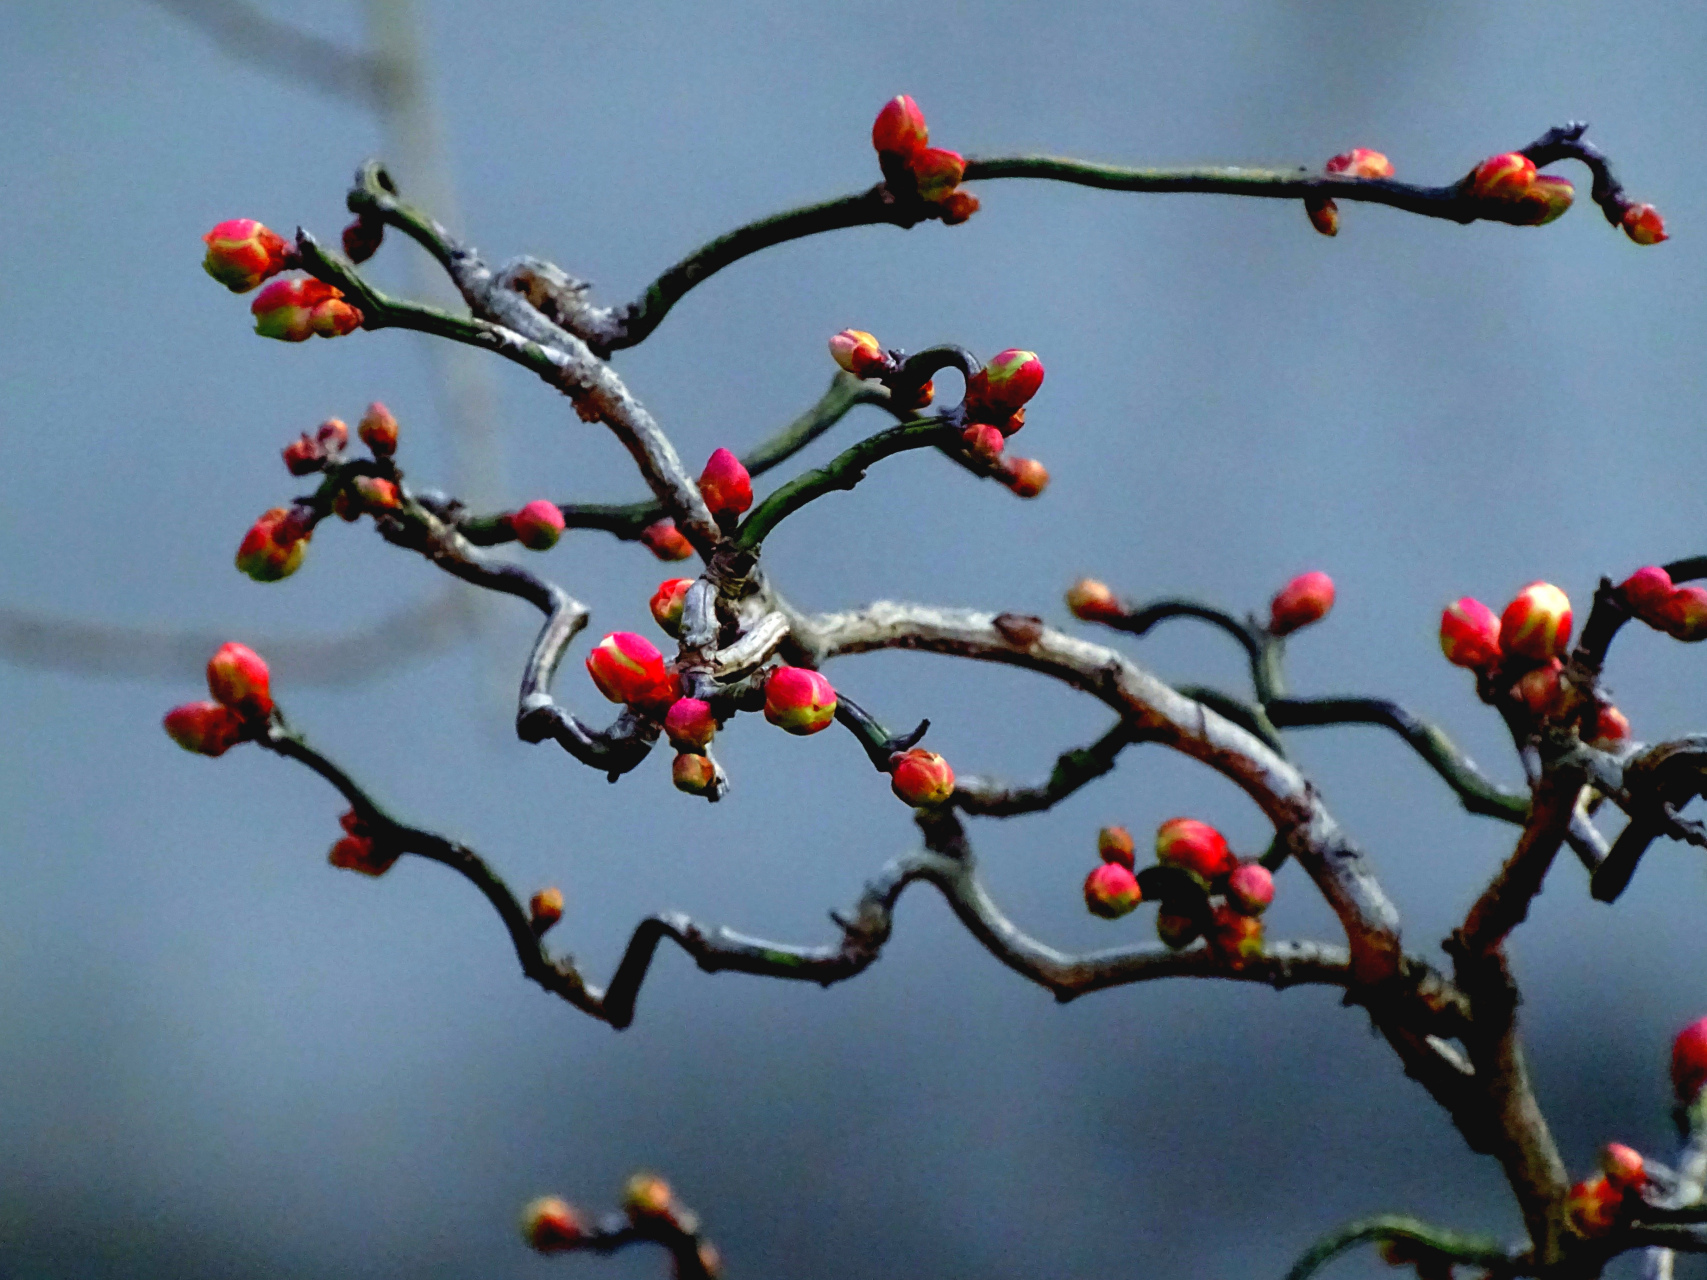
[360,850]
[665,541]
[920,778]
[242,703]
[1593,1206]
[1680,612]
[860,354]
[994,409]
[551,1224]
[241,253]
[903,148]
[1359,162]
[1306,599]
[1511,190]
[726,486]
[1093,601]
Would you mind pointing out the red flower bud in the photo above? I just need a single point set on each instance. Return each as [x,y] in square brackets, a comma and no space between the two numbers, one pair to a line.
[694,774]
[551,1225]
[545,909]
[362,854]
[857,351]
[1470,634]
[799,700]
[900,128]
[1541,690]
[1608,729]
[303,456]
[1503,177]
[241,253]
[957,206]
[984,442]
[538,525]
[1236,937]
[690,724]
[1306,599]
[1591,1207]
[1360,162]
[1537,623]
[1323,213]
[334,318]
[1114,844]
[1111,891]
[1005,383]
[376,495]
[1026,477]
[1623,1166]
[1684,614]
[291,310]
[1643,224]
[1177,930]
[921,778]
[207,728]
[1689,1061]
[237,676]
[1093,601]
[332,435]
[274,546]
[725,484]
[1548,198]
[667,604]
[1250,888]
[666,541]
[936,172]
[362,239]
[378,430]
[1646,592]
[646,1195]
[1194,845]
[626,668]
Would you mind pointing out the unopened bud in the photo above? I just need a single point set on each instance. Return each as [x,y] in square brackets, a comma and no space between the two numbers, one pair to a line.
[538,525]
[1306,599]
[1643,224]
[1470,634]
[376,495]
[1608,729]
[667,604]
[1176,929]
[725,484]
[1646,592]
[1537,623]
[858,352]
[1250,889]
[957,206]
[1026,477]
[799,700]
[1093,601]
[241,253]
[900,128]
[362,239]
[545,909]
[1323,213]
[984,442]
[1111,891]
[921,778]
[364,855]
[332,435]
[1235,936]
[1360,162]
[936,172]
[378,430]
[207,728]
[237,676]
[273,548]
[551,1225]
[690,724]
[1548,197]
[1194,845]
[1684,614]
[334,318]
[1005,383]
[646,1195]
[666,541]
[693,773]
[626,668]
[1015,421]
[296,310]
[1541,690]
[1623,1166]
[1503,177]
[1114,844]
[304,456]
[1591,1207]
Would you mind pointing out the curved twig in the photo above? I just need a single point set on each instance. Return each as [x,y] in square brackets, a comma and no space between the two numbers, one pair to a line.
[1423,1240]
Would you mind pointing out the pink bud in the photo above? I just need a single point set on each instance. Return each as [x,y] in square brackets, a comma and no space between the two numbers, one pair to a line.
[1623,1166]
[538,525]
[1643,224]
[666,541]
[1537,623]
[690,724]
[1608,729]
[984,442]
[332,435]
[273,548]
[725,484]
[937,172]
[900,128]
[290,310]
[376,495]
[921,778]
[667,604]
[304,456]
[1306,599]
[1093,601]
[1005,383]
[1360,162]
[799,700]
[378,430]
[1026,477]
[545,909]
[1114,844]
[237,676]
[241,253]
[207,728]
[362,239]
[1323,213]
[1111,891]
[551,1225]
[1194,845]
[694,774]
[1236,937]
[1470,635]
[858,352]
[1503,177]
[1646,592]
[1591,1207]
[626,668]
[1684,614]
[1689,1061]
[1250,888]
[646,1195]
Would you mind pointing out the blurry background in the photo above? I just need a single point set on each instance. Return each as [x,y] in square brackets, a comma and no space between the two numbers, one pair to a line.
[219,1057]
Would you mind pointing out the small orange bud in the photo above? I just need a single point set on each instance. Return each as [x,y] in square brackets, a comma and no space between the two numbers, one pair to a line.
[1360,162]
[1591,1207]
[921,778]
[1540,689]
[1470,634]
[296,310]
[1684,614]
[666,541]
[1114,844]
[551,1225]
[646,1195]
[690,724]
[237,677]
[799,700]
[1623,1166]
[1235,936]
[545,909]
[1643,224]
[725,484]
[1548,198]
[274,546]
[937,172]
[667,604]
[362,239]
[1111,891]
[1250,888]
[378,430]
[1503,177]
[984,442]
[1194,845]
[1005,383]
[1323,213]
[362,854]
[1306,599]
[900,128]
[858,352]
[626,668]
[1093,601]
[1689,1061]
[1026,477]
[376,495]
[207,728]
[693,773]
[304,456]
[241,253]
[957,206]
[334,318]
[1608,729]
[538,525]
[332,435]
[1537,623]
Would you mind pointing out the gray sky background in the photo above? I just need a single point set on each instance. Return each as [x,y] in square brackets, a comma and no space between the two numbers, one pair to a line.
[218,1057]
